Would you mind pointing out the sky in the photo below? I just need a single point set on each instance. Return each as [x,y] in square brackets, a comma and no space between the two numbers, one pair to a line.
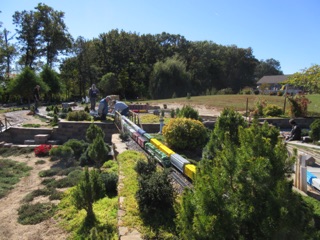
[285,30]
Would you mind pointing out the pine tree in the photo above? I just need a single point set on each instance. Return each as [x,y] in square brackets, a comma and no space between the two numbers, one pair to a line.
[244,193]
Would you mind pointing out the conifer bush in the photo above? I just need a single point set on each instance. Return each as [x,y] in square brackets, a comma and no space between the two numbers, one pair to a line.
[315,130]
[94,131]
[185,133]
[188,112]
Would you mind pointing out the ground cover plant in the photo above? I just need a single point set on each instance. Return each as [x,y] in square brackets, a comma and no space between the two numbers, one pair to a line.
[10,174]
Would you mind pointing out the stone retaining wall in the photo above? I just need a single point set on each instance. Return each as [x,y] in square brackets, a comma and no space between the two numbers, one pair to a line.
[284,122]
[64,131]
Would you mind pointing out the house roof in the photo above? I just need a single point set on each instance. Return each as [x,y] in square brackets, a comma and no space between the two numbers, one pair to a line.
[274,79]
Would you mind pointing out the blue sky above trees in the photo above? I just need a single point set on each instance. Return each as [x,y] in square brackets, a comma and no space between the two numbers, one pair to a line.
[285,30]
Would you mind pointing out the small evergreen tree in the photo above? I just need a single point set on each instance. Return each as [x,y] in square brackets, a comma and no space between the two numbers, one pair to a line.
[246,194]
[188,112]
[93,131]
[98,151]
[89,190]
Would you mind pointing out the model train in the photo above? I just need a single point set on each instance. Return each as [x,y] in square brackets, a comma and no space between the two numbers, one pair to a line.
[163,154]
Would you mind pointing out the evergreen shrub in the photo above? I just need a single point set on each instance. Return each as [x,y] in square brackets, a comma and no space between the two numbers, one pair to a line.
[314,132]
[188,112]
[78,116]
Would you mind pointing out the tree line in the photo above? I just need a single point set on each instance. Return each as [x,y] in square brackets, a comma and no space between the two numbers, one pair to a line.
[125,63]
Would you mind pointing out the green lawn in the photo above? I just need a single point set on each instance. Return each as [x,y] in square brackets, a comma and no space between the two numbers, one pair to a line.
[238,102]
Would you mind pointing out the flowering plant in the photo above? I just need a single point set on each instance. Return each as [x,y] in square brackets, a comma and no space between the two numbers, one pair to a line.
[42,150]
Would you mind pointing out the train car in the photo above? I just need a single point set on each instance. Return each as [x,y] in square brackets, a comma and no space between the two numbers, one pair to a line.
[135,136]
[190,171]
[178,162]
[141,131]
[155,142]
[157,154]
[142,141]
[160,152]
[165,149]
[147,136]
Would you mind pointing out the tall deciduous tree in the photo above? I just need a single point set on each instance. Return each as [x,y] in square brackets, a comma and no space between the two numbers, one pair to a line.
[169,77]
[309,79]
[109,85]
[267,67]
[41,33]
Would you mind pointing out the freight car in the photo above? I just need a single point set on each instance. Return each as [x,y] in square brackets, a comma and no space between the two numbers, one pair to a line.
[163,154]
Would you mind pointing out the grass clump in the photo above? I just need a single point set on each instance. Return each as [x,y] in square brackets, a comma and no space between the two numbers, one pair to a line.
[35,213]
[15,151]
[31,125]
[10,174]
[41,161]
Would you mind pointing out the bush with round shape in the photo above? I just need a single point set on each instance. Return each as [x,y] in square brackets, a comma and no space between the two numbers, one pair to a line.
[272,110]
[185,133]
[78,116]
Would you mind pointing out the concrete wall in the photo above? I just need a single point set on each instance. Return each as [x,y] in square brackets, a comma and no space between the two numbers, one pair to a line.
[283,123]
[64,131]
[77,130]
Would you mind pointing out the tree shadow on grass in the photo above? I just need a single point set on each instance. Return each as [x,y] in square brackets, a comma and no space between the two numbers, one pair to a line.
[160,222]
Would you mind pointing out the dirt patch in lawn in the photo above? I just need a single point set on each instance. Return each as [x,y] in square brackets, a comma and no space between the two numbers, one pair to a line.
[9,205]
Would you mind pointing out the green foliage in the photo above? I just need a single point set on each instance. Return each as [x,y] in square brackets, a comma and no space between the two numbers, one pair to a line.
[78,116]
[41,161]
[225,91]
[10,174]
[62,153]
[227,123]
[124,136]
[86,109]
[98,151]
[30,214]
[110,84]
[315,130]
[38,192]
[145,168]
[110,166]
[185,133]
[78,146]
[155,195]
[272,110]
[308,79]
[89,190]
[25,82]
[188,112]
[110,181]
[94,131]
[71,180]
[245,192]
[172,113]
[51,78]
[169,77]
[259,106]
